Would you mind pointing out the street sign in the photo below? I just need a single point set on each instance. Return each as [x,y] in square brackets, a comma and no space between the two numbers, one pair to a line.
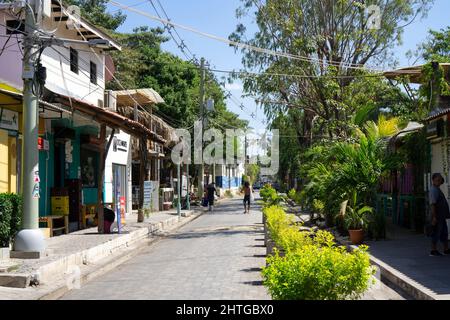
[9,120]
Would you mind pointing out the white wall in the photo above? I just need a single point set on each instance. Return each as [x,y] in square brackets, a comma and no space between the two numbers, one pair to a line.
[59,77]
[436,165]
[122,158]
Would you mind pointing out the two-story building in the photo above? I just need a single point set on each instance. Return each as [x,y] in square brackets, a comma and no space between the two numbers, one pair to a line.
[77,124]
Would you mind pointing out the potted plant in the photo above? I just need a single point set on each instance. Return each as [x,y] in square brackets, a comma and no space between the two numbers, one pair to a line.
[355,219]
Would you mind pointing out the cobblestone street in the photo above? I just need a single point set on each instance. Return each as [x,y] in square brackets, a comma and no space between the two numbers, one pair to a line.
[217,256]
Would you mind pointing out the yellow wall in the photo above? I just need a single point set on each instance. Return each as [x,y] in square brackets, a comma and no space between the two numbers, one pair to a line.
[8,163]
[4,160]
[12,164]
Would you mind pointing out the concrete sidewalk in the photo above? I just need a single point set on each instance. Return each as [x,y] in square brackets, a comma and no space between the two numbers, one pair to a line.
[87,250]
[404,260]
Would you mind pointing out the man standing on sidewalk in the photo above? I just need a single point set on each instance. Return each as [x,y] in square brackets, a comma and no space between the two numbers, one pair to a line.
[439,214]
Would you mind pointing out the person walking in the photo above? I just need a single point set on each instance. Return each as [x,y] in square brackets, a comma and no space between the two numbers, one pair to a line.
[211,191]
[247,197]
[439,215]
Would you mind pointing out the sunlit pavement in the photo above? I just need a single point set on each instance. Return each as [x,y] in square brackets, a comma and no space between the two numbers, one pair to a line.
[217,256]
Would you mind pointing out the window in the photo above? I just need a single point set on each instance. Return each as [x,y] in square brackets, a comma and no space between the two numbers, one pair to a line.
[74,60]
[15,27]
[93,69]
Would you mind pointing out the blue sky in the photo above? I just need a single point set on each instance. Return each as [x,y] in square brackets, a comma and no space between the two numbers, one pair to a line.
[218,17]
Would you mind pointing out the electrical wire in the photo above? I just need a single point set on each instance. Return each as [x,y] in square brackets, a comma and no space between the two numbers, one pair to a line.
[242,45]
[183,46]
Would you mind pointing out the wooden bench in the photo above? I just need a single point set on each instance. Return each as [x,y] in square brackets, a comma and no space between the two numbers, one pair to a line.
[49,221]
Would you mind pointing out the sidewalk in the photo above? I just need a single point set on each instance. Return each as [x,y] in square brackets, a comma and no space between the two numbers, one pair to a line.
[87,250]
[404,260]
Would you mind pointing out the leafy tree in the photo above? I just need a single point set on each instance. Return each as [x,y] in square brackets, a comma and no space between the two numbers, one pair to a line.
[331,40]
[435,48]
[95,12]
[177,81]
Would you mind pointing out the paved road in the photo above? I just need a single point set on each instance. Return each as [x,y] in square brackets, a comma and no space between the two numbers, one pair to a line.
[217,256]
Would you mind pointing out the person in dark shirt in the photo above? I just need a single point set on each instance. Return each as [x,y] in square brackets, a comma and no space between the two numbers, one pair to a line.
[211,191]
[247,197]
[439,215]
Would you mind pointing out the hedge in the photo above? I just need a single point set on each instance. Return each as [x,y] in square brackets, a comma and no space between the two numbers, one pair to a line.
[10,217]
[313,267]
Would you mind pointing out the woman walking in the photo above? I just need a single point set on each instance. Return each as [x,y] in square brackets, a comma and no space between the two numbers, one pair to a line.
[247,197]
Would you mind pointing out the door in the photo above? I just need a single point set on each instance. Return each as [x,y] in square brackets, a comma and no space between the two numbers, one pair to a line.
[120,189]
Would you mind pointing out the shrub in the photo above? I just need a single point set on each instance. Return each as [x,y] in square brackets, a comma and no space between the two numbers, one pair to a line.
[315,272]
[10,217]
[228,194]
[292,193]
[270,195]
[277,220]
[313,266]
[16,218]
[295,196]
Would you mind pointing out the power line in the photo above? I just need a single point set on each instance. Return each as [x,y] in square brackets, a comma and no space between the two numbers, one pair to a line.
[183,46]
[239,44]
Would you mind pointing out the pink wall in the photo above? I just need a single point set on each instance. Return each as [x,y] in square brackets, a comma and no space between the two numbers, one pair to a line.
[11,59]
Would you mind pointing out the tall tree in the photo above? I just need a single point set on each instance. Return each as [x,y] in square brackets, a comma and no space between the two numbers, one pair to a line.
[331,41]
[178,81]
[436,47]
[95,12]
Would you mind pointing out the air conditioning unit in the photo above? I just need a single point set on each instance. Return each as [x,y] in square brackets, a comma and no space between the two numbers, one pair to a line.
[110,101]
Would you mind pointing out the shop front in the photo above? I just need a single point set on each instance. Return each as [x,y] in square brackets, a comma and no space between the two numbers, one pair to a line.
[10,143]
[118,174]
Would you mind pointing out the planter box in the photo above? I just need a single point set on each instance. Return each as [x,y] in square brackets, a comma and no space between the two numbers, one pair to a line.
[4,253]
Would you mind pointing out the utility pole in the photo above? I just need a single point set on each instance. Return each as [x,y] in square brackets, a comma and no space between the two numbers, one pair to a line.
[30,239]
[245,156]
[201,173]
[179,190]
[188,195]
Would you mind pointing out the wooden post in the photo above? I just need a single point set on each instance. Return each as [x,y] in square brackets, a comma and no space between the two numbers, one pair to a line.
[142,173]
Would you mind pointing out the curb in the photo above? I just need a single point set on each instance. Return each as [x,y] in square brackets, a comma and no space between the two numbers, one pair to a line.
[113,261]
[394,277]
[96,255]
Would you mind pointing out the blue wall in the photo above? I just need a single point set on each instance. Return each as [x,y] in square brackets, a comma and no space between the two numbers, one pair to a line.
[225,182]
[46,175]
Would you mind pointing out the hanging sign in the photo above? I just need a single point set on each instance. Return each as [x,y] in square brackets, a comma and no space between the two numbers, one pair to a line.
[9,120]
[43,144]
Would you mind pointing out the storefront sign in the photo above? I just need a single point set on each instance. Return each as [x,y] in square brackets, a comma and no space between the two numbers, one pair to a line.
[9,119]
[149,187]
[43,144]
[120,145]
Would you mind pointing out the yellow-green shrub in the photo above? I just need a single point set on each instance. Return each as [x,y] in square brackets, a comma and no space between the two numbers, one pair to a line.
[313,267]
[277,220]
[315,272]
